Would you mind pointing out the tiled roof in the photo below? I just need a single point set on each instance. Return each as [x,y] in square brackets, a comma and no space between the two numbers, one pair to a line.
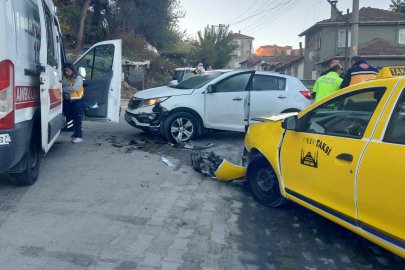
[373,14]
[237,35]
[366,15]
[377,48]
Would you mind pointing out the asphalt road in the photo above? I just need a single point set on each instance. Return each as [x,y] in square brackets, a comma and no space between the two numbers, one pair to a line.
[97,206]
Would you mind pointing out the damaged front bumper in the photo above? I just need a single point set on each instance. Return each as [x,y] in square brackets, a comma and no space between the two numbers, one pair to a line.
[148,119]
[136,120]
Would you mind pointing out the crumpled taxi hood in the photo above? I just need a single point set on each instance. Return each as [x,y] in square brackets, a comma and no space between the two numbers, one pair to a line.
[274,117]
[163,91]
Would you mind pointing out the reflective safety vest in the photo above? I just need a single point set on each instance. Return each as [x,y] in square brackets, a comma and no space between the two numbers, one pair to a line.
[326,85]
[359,72]
[79,93]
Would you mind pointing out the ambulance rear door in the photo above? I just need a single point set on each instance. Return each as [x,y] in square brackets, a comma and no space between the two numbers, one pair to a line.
[101,69]
[50,77]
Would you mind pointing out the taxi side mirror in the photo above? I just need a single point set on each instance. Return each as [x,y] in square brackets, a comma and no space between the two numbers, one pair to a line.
[290,123]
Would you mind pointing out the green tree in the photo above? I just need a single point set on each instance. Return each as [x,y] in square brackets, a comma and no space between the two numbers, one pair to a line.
[215,46]
[154,20]
[397,5]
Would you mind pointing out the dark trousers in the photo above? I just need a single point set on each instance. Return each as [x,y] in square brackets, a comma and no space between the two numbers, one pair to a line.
[74,113]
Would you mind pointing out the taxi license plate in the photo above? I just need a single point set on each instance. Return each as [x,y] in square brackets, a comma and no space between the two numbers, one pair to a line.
[4,139]
[128,118]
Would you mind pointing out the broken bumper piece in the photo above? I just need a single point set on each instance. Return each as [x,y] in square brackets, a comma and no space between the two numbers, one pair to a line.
[215,166]
[228,172]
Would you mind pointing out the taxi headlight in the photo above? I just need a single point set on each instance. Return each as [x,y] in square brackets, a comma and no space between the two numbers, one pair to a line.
[153,101]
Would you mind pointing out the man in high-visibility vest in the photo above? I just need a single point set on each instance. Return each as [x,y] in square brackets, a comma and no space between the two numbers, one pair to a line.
[328,84]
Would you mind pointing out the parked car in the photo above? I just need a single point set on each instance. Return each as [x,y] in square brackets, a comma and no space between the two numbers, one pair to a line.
[180,74]
[341,158]
[220,99]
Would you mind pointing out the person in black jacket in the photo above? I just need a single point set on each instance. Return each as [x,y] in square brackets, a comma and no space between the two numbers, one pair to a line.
[359,72]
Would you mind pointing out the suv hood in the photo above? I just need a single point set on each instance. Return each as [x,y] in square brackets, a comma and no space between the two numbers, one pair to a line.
[163,91]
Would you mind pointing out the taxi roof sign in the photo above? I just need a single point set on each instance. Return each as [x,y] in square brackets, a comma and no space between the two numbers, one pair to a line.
[389,72]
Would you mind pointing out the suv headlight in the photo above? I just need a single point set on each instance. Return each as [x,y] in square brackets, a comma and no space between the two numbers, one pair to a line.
[153,101]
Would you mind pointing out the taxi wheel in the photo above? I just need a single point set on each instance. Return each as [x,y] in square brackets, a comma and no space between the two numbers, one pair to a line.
[263,183]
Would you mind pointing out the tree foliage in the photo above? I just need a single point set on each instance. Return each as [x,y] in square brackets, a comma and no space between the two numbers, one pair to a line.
[154,20]
[214,47]
[397,5]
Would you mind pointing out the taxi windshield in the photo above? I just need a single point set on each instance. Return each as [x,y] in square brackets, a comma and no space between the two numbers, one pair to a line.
[198,81]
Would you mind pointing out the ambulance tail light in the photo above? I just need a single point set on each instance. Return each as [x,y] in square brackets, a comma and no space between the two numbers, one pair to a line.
[6,94]
[306,94]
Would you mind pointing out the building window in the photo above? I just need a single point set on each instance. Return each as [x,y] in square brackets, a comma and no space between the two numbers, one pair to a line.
[236,65]
[318,39]
[401,36]
[342,38]
[238,53]
[238,42]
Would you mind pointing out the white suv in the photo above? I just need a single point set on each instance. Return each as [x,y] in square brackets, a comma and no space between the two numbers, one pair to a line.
[220,100]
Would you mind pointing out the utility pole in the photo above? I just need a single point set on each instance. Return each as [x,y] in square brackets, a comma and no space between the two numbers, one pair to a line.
[347,41]
[355,28]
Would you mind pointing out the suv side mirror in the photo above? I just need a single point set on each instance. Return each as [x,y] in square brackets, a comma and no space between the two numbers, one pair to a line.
[210,88]
[290,123]
[174,82]
[82,72]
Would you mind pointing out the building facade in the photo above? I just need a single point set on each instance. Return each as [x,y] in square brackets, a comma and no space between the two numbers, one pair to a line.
[243,52]
[327,38]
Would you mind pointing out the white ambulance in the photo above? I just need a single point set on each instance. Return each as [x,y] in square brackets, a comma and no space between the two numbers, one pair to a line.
[31,68]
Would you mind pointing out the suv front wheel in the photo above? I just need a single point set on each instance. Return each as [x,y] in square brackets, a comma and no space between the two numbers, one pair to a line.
[179,127]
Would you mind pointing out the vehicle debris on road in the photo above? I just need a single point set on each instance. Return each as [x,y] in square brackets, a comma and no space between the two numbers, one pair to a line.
[191,145]
[216,167]
[206,164]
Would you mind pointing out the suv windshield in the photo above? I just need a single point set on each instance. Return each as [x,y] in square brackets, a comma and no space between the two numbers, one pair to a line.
[198,81]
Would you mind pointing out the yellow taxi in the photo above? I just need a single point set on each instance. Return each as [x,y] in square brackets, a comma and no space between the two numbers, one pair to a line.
[343,158]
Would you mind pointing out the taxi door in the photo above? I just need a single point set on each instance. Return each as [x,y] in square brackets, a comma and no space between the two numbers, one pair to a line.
[51,84]
[381,184]
[319,160]
[102,81]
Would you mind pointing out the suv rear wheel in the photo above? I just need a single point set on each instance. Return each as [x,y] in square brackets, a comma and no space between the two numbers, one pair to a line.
[179,127]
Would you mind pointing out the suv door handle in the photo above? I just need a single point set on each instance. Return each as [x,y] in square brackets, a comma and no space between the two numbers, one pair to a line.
[346,157]
[282,97]
[237,99]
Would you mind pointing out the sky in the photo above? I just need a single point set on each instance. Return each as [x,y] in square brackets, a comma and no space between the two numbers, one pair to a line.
[268,21]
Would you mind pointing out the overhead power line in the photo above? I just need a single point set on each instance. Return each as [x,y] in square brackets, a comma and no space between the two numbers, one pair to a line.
[263,18]
[244,12]
[247,18]
[278,16]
